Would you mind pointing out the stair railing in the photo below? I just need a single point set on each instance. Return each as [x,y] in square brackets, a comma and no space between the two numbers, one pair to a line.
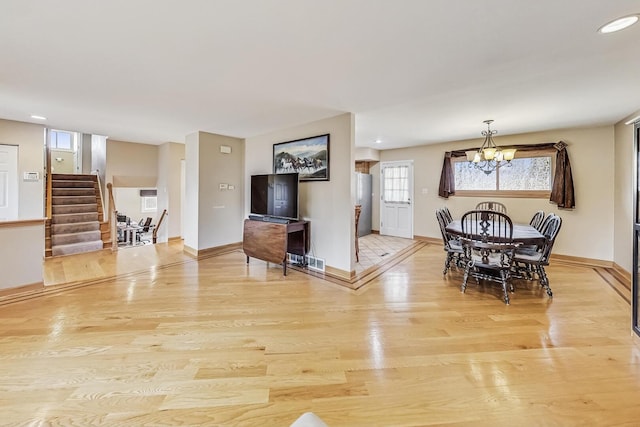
[97,174]
[49,207]
[155,229]
[113,223]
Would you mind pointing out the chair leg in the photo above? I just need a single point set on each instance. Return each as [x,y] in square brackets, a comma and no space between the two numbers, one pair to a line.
[467,267]
[504,276]
[447,263]
[544,280]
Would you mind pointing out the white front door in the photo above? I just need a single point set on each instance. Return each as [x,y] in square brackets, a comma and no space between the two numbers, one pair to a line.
[396,206]
[8,182]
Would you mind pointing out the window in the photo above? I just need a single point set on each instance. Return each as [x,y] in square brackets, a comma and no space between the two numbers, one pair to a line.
[148,200]
[62,140]
[396,184]
[529,175]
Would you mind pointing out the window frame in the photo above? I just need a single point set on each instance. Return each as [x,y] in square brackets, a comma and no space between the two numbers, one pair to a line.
[72,140]
[528,194]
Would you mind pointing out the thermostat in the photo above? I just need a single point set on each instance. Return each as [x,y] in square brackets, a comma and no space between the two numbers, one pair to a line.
[31,176]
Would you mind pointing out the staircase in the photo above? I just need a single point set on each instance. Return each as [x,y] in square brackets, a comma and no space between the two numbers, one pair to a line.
[76,214]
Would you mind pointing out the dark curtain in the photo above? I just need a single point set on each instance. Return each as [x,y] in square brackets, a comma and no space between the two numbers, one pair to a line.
[447,180]
[562,191]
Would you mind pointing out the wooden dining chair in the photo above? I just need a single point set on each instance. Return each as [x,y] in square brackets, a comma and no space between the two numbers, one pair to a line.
[481,224]
[528,262]
[492,206]
[488,248]
[452,245]
[447,214]
[536,219]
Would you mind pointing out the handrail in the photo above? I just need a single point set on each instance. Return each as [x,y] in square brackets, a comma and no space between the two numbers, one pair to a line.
[49,207]
[97,172]
[155,229]
[112,218]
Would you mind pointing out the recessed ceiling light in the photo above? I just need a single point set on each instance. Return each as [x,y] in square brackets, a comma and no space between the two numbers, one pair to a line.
[378,141]
[33,116]
[618,24]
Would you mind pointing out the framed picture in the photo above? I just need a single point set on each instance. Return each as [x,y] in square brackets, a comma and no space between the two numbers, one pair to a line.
[309,157]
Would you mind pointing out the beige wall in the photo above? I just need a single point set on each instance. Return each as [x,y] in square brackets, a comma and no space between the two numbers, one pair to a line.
[587,231]
[30,141]
[328,205]
[170,156]
[62,161]
[213,217]
[623,194]
[131,165]
[21,261]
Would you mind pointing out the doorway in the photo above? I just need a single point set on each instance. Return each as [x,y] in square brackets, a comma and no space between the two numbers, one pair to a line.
[396,204]
[8,182]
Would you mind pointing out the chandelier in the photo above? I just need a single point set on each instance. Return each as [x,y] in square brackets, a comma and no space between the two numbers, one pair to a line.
[489,156]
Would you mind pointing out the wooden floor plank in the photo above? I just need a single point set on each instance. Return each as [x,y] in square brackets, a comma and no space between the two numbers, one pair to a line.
[216,342]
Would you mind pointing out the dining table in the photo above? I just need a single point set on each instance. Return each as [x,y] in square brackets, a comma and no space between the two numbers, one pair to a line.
[522,233]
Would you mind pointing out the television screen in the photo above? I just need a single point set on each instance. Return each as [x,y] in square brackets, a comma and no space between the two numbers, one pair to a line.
[275,195]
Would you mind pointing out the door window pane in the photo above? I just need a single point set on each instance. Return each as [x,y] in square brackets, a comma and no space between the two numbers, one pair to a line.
[396,184]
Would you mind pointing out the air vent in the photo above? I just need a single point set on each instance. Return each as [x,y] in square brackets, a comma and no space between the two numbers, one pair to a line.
[314,263]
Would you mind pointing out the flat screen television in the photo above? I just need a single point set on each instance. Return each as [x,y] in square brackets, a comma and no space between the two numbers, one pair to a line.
[275,195]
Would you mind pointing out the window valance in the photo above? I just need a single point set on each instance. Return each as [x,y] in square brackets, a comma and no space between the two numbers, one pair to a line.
[562,187]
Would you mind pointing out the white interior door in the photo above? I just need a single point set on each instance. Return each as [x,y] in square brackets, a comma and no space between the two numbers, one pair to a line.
[8,182]
[396,206]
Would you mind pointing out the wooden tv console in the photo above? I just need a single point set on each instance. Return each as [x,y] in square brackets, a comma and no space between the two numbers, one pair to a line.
[270,241]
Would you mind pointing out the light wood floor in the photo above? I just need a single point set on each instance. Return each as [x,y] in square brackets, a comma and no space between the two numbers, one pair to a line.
[220,342]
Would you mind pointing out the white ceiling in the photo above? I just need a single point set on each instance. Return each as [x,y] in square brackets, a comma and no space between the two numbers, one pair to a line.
[413,71]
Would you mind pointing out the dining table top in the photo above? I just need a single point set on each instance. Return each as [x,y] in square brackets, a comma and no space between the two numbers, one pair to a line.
[522,233]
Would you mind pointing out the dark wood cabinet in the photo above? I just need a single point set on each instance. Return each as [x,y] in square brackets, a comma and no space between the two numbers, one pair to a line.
[271,241]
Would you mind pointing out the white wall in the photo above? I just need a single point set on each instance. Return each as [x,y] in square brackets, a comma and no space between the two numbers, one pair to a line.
[623,194]
[213,217]
[328,205]
[128,203]
[587,231]
[30,141]
[170,156]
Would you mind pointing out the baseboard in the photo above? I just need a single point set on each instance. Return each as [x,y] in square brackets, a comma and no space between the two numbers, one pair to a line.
[586,262]
[21,289]
[621,274]
[375,231]
[190,251]
[338,273]
[174,239]
[216,250]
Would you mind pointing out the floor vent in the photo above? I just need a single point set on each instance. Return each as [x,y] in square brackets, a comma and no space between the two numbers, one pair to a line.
[313,263]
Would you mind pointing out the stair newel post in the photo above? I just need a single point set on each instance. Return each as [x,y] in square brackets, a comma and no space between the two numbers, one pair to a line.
[155,230]
[112,218]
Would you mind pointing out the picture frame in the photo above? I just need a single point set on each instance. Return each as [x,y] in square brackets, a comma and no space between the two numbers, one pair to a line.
[309,157]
